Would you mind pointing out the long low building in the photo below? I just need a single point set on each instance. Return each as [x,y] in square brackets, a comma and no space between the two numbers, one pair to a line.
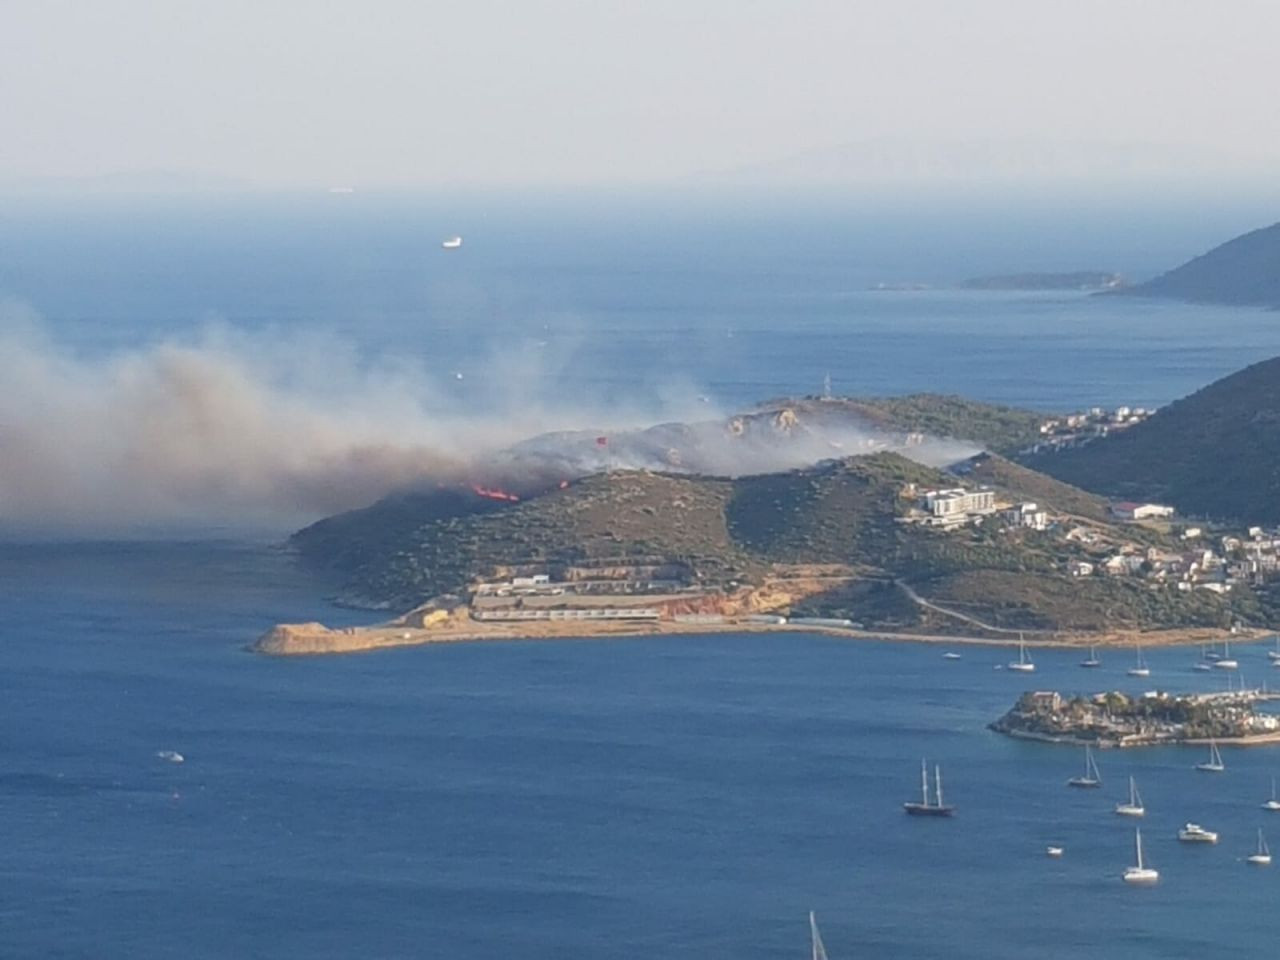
[573,613]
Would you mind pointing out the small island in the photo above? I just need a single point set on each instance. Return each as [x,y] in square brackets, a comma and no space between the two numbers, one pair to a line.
[1116,719]
[1089,280]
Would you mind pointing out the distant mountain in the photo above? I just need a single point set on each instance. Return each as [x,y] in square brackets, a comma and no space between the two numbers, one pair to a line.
[994,160]
[1215,453]
[1241,272]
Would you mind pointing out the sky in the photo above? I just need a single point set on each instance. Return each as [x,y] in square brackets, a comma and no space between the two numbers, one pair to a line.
[419,93]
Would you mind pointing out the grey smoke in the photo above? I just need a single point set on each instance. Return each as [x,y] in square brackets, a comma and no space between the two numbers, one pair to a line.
[230,430]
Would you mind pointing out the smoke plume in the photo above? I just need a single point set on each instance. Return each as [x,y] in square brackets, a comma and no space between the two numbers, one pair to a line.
[237,431]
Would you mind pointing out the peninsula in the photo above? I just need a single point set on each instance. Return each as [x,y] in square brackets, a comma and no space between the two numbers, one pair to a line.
[1119,720]
[1244,271]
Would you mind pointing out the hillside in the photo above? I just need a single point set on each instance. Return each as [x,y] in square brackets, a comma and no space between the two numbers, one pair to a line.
[999,429]
[833,537]
[1241,272]
[402,550]
[1215,453]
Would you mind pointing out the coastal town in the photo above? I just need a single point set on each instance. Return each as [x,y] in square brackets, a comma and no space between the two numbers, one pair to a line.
[1077,429]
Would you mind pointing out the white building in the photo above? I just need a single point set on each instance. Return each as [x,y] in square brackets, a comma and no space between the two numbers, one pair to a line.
[1127,510]
[1027,515]
[958,501]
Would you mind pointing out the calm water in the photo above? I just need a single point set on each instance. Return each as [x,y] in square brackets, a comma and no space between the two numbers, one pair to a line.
[674,798]
[631,302]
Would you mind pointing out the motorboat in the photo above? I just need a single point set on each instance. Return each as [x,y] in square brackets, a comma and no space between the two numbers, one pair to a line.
[1194,833]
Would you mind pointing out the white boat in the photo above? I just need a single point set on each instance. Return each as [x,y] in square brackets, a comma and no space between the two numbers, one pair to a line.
[1275,654]
[1134,807]
[1214,764]
[1262,856]
[1203,665]
[1092,777]
[1194,833]
[1140,872]
[1274,803]
[819,951]
[1053,852]
[173,756]
[453,243]
[950,656]
[1023,663]
[1225,662]
[1092,660]
[1139,669]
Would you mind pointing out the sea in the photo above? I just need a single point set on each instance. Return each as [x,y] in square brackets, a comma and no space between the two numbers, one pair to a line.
[673,797]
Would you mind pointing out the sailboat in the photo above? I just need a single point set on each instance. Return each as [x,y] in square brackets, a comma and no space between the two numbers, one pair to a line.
[1205,663]
[1262,856]
[1140,669]
[1140,873]
[1225,662]
[1275,654]
[1023,663]
[1214,764]
[925,808]
[1134,807]
[819,951]
[1092,660]
[1092,777]
[1274,803]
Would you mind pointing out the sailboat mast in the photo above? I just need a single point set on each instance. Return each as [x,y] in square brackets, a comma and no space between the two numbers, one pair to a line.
[937,783]
[1137,843]
[819,951]
[924,783]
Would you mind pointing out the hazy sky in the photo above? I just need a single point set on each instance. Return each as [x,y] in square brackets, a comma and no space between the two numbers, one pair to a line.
[416,92]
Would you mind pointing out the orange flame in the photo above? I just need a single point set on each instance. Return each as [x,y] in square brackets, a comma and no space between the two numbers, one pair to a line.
[493,493]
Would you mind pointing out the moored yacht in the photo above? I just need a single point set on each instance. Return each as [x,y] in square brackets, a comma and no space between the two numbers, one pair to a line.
[1139,669]
[1262,856]
[1274,803]
[1091,660]
[1140,872]
[1214,764]
[925,808]
[1023,663]
[1275,654]
[1225,662]
[1194,833]
[1133,806]
[1092,777]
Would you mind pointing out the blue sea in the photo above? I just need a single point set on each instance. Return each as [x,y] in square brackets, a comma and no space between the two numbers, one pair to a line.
[672,797]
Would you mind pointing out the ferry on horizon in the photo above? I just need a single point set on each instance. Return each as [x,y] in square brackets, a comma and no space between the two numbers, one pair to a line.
[453,243]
